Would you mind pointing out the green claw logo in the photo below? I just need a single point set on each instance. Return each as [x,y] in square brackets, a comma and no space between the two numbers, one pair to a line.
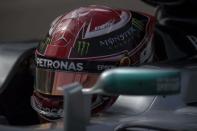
[43,44]
[82,47]
[138,24]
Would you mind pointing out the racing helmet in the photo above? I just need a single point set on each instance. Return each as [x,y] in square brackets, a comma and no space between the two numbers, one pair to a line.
[82,44]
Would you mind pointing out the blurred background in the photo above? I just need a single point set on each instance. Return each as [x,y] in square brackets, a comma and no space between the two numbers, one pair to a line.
[24,20]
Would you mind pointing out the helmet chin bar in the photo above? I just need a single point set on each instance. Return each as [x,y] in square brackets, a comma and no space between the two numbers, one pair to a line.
[125,81]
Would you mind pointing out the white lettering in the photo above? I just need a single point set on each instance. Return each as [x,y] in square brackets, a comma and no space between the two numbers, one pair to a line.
[45,62]
[41,62]
[50,64]
[108,24]
[112,41]
[168,84]
[56,64]
[72,66]
[64,65]
[61,65]
[37,61]
[79,66]
[104,67]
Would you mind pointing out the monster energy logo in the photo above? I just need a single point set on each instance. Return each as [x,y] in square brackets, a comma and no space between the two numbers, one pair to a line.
[83,47]
[138,24]
[43,44]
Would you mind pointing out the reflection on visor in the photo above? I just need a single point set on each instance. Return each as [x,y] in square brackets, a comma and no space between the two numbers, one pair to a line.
[52,82]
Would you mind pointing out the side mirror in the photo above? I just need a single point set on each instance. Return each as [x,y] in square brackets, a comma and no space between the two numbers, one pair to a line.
[125,81]
[137,81]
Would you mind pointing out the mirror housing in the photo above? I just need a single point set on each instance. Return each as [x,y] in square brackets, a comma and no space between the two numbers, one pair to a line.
[138,81]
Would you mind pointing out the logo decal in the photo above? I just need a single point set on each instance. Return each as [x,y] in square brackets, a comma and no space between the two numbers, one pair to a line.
[138,24]
[59,64]
[82,47]
[125,60]
[43,44]
[116,41]
[111,26]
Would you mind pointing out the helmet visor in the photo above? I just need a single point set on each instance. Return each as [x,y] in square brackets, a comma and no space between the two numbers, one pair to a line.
[51,82]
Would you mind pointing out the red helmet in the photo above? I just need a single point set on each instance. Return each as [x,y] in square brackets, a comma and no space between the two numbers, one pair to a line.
[83,43]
